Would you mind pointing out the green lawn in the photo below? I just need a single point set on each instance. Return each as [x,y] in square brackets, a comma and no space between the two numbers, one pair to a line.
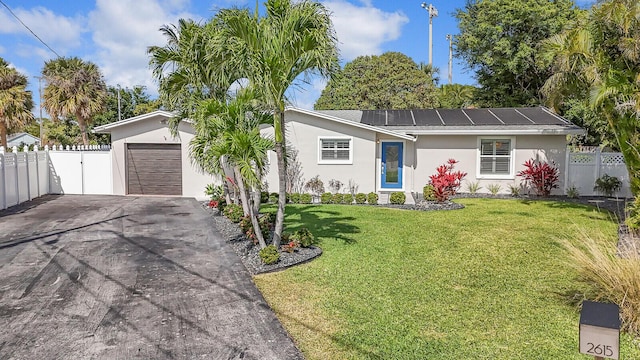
[490,281]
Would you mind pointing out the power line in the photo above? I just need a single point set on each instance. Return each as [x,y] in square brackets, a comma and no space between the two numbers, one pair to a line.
[31,31]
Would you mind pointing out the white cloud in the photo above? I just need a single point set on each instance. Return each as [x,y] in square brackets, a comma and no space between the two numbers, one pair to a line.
[60,32]
[362,30]
[122,32]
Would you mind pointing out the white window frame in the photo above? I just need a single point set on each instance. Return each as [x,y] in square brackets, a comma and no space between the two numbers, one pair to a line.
[512,158]
[335,161]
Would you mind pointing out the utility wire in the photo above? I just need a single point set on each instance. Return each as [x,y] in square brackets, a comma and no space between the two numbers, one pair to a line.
[31,31]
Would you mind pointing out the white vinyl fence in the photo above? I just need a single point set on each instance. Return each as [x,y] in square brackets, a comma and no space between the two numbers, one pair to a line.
[72,170]
[585,167]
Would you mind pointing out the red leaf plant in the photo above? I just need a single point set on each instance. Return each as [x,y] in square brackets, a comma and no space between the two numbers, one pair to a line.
[446,182]
[540,176]
[214,204]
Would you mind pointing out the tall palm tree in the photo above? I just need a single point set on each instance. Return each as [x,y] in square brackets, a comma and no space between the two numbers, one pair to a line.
[74,88]
[16,101]
[599,58]
[184,73]
[293,40]
[228,136]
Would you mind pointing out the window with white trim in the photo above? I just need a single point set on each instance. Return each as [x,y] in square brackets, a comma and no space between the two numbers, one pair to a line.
[335,150]
[495,157]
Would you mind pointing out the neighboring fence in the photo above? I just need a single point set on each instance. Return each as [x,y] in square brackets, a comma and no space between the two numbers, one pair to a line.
[72,170]
[585,167]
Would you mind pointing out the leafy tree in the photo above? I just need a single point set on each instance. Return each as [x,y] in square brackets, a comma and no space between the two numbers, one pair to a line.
[456,96]
[133,101]
[598,59]
[499,40]
[228,136]
[16,101]
[74,88]
[389,81]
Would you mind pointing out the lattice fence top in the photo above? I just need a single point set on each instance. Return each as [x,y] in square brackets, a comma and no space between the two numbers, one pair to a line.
[592,158]
[582,158]
[612,159]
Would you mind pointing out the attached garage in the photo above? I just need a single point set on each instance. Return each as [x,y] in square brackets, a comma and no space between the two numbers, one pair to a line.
[154,169]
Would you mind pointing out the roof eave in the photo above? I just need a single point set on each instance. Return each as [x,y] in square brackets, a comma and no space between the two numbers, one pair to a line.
[352,123]
[572,131]
[106,129]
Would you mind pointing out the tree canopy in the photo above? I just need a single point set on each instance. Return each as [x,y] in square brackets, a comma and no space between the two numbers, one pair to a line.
[597,60]
[74,87]
[16,101]
[388,81]
[499,40]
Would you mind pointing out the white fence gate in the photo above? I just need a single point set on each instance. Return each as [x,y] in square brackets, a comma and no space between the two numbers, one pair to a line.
[585,167]
[78,170]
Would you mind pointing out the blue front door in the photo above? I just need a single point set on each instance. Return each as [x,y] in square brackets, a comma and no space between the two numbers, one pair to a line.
[391,171]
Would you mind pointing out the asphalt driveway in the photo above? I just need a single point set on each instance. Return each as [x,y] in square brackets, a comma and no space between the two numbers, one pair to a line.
[110,277]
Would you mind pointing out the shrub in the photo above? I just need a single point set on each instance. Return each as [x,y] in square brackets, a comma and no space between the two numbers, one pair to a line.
[361,198]
[305,199]
[214,191]
[290,246]
[347,199]
[337,198]
[473,187]
[335,185]
[269,255]
[264,197]
[304,237]
[295,198]
[515,190]
[315,185]
[609,278]
[445,181]
[326,198]
[607,185]
[572,192]
[273,197]
[633,215]
[428,192]
[541,176]
[234,212]
[245,224]
[372,198]
[397,198]
[494,189]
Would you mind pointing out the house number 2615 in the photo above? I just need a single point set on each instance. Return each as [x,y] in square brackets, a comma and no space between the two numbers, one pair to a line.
[599,349]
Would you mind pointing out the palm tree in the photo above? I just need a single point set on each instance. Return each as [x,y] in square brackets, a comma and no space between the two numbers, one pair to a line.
[294,39]
[16,101]
[454,96]
[74,88]
[184,73]
[598,58]
[228,137]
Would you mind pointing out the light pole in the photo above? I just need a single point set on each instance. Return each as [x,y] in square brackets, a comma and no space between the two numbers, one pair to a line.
[433,12]
[450,38]
[119,114]
[40,96]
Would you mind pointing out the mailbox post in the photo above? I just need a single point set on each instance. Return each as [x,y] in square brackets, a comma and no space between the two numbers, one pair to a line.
[600,330]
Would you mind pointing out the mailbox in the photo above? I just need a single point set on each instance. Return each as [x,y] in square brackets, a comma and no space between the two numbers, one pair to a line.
[600,330]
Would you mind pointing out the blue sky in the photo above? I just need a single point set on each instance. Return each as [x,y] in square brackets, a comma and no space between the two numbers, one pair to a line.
[116,34]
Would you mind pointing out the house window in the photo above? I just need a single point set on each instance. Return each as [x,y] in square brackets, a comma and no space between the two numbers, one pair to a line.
[496,157]
[335,151]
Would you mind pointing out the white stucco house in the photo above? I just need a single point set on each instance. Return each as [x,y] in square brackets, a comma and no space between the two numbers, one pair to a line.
[379,150]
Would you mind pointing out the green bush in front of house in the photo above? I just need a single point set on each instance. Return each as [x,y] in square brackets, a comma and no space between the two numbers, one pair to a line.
[361,198]
[397,198]
[372,198]
[326,198]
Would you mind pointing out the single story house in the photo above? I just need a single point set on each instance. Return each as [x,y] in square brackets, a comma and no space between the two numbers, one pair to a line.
[397,150]
[18,139]
[378,150]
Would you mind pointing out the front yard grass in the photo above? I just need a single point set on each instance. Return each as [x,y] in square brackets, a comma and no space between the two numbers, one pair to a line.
[490,281]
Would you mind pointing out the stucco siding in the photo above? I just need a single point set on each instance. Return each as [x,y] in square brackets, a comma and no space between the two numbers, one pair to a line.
[433,151]
[155,130]
[304,133]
